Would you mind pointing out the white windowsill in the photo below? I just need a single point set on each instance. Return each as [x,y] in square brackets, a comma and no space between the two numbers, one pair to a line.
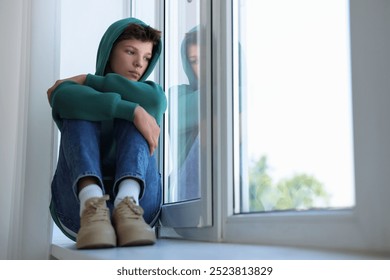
[174,249]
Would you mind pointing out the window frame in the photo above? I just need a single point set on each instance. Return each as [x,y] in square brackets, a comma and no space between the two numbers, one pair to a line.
[352,228]
[363,227]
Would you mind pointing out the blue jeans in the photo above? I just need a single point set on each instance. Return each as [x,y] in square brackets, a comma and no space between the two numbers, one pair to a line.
[81,155]
[188,174]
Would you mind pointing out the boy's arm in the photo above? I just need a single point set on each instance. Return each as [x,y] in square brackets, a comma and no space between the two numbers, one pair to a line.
[70,100]
[147,126]
[147,94]
[79,79]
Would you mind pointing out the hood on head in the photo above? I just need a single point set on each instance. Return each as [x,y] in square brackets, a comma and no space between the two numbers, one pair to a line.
[184,58]
[108,40]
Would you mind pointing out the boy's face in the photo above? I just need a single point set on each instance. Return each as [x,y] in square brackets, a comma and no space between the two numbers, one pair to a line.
[192,53]
[130,58]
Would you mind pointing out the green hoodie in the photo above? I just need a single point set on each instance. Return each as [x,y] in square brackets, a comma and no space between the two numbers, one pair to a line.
[106,97]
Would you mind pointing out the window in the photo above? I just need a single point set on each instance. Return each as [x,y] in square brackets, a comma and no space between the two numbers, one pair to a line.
[183,82]
[294,106]
[187,127]
[348,218]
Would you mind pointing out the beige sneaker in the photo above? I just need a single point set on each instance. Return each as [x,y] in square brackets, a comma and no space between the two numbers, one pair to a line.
[131,228]
[96,230]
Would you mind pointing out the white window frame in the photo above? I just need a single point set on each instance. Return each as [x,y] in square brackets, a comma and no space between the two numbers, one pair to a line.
[364,227]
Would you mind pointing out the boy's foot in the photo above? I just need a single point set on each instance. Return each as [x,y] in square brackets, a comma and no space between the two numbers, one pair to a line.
[96,230]
[131,228]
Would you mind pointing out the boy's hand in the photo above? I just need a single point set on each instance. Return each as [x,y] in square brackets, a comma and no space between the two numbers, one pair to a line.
[80,79]
[148,127]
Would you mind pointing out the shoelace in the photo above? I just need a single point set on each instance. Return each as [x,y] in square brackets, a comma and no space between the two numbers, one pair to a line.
[123,209]
[96,211]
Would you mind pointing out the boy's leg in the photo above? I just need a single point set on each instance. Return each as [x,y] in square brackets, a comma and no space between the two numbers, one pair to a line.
[80,144]
[133,161]
[79,160]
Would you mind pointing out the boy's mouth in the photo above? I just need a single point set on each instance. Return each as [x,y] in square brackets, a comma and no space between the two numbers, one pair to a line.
[135,74]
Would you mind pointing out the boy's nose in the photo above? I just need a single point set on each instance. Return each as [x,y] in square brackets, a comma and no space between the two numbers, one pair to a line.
[138,63]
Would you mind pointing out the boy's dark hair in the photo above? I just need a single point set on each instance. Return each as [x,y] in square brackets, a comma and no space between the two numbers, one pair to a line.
[140,32]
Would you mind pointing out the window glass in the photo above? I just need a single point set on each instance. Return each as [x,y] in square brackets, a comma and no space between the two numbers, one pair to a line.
[182,65]
[293,105]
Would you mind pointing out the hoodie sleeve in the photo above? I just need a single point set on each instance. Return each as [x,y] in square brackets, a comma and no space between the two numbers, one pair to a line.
[147,94]
[73,101]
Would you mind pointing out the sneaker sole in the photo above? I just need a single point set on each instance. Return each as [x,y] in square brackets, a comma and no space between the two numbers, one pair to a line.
[139,242]
[137,239]
[95,246]
[98,241]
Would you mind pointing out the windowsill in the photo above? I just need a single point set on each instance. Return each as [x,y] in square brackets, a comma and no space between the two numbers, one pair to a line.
[175,249]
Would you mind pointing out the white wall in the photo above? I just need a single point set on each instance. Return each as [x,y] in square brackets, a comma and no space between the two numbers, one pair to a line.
[82,29]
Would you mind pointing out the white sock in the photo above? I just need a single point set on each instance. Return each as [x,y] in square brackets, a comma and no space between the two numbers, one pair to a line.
[88,192]
[128,187]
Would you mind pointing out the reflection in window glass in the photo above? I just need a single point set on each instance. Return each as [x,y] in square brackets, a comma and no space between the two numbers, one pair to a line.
[293,104]
[182,83]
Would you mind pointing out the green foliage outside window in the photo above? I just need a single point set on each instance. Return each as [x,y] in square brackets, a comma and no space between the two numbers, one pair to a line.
[301,191]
